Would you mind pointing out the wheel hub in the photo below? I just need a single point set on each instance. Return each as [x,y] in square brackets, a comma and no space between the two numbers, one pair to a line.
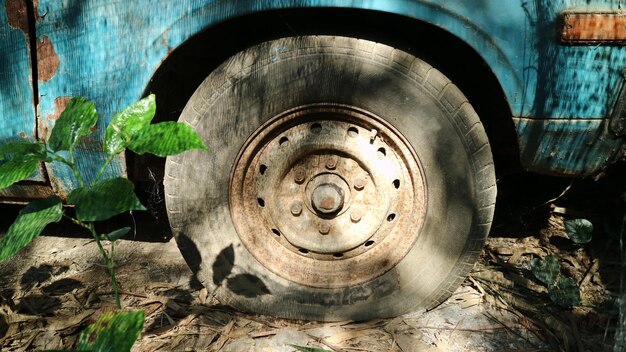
[327,199]
[327,196]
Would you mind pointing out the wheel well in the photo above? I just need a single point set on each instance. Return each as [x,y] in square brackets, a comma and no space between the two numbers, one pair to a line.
[187,66]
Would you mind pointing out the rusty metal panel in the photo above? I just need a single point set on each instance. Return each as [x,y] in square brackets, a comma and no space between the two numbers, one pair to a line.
[108,51]
[23,192]
[583,28]
[562,147]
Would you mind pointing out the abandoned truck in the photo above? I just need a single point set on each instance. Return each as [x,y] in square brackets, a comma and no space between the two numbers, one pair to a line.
[354,146]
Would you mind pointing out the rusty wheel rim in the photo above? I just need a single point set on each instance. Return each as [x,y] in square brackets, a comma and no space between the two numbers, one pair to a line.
[327,196]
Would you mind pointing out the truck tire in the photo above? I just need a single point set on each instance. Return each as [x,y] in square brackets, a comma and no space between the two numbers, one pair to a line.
[345,179]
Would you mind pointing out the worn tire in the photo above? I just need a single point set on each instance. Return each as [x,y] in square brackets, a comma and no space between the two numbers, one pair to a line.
[428,110]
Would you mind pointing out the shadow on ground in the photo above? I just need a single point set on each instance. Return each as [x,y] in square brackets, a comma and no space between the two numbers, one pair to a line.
[58,285]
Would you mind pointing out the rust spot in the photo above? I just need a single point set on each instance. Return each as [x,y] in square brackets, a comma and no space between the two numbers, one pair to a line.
[17,14]
[328,203]
[47,59]
[42,130]
[59,105]
[167,45]
[593,27]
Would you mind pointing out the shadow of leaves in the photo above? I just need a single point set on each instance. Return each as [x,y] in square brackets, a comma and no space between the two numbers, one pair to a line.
[62,286]
[223,265]
[38,304]
[247,285]
[40,274]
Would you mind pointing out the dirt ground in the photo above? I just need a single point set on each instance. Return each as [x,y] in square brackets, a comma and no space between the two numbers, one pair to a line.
[58,285]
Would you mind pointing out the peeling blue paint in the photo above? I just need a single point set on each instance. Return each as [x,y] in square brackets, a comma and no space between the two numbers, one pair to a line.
[109,50]
[565,147]
[16,93]
[17,110]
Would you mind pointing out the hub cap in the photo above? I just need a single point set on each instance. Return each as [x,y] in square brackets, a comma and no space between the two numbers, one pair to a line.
[327,196]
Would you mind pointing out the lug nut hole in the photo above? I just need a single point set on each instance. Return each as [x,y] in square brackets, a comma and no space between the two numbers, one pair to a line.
[382,151]
[396,183]
[316,128]
[283,140]
[261,202]
[262,169]
[276,232]
[369,243]
[391,217]
[338,255]
[303,250]
[353,131]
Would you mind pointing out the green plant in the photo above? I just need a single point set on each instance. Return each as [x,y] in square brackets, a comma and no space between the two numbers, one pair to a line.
[562,290]
[112,332]
[579,230]
[99,199]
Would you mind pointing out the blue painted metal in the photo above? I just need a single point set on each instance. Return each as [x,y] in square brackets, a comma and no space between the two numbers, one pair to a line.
[17,108]
[16,93]
[109,50]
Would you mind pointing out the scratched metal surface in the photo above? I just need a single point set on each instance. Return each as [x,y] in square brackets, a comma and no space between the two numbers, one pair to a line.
[108,51]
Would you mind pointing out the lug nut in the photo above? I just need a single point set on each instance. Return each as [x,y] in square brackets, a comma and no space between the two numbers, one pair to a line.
[331,163]
[324,228]
[360,183]
[296,208]
[298,175]
[355,215]
[373,135]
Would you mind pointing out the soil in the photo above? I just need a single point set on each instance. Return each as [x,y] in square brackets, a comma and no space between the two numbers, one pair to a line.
[58,285]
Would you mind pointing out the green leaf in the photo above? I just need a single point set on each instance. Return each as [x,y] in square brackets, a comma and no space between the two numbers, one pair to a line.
[308,349]
[166,138]
[115,332]
[127,123]
[16,170]
[23,161]
[546,270]
[565,293]
[579,230]
[29,223]
[105,199]
[75,122]
[117,234]
[23,148]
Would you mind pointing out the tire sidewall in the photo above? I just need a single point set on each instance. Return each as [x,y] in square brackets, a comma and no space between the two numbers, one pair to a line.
[268,79]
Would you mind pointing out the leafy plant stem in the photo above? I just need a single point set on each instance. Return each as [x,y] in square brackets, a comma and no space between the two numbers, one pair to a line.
[77,222]
[61,160]
[108,258]
[111,266]
[106,164]
[75,169]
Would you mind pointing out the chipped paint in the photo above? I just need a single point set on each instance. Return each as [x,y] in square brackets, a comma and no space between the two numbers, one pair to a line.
[17,108]
[47,59]
[59,105]
[42,127]
[17,15]
[566,147]
[109,50]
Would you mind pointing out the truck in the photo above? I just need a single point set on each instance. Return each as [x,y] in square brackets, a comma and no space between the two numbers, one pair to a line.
[354,146]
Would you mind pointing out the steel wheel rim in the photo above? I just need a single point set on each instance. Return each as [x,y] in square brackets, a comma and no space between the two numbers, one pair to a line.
[327,196]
